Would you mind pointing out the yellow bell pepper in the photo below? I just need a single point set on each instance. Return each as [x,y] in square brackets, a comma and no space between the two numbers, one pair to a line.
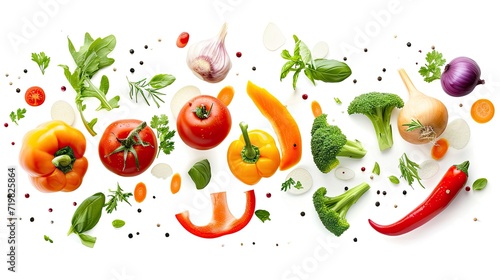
[52,155]
[253,156]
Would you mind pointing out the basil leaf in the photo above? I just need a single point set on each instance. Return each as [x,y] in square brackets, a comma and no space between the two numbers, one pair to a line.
[87,215]
[263,215]
[305,53]
[201,173]
[286,69]
[394,179]
[479,184]
[330,71]
[160,81]
[118,223]
[87,240]
[286,54]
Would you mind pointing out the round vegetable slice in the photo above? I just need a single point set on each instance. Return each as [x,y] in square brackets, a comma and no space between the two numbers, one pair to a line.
[428,169]
[34,96]
[482,111]
[439,149]
[304,177]
[343,173]
[181,97]
[162,171]
[140,192]
[226,95]
[320,50]
[175,183]
[457,133]
[316,109]
[62,110]
[273,37]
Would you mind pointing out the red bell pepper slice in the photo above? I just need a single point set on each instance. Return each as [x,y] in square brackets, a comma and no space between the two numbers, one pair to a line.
[223,222]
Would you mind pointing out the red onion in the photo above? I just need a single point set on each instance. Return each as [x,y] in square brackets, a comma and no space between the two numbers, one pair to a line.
[461,76]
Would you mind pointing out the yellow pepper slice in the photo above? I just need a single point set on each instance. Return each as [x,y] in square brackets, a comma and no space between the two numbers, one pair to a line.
[253,156]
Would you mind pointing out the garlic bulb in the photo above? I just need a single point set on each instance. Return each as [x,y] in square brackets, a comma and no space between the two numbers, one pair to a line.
[209,59]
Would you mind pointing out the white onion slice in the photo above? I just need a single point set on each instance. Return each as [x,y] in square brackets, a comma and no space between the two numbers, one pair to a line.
[181,97]
[162,171]
[344,173]
[457,133]
[428,169]
[273,38]
[304,177]
[320,50]
[62,110]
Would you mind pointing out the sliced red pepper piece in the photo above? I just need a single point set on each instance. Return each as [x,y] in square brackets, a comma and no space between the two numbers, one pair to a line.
[223,222]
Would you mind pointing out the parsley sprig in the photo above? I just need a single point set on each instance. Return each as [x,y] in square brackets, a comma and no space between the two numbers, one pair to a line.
[17,115]
[432,69]
[150,89]
[116,196]
[409,170]
[291,183]
[163,133]
[42,60]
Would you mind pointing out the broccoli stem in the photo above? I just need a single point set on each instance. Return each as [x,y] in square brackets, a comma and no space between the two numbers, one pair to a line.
[383,130]
[343,202]
[352,149]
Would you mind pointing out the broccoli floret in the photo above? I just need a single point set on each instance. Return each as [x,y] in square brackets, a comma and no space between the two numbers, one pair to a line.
[332,211]
[328,142]
[378,108]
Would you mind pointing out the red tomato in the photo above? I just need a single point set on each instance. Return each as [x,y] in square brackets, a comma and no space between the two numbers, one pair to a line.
[203,122]
[182,40]
[34,96]
[124,136]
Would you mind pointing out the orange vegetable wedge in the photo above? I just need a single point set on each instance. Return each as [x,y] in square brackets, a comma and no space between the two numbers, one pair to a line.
[226,95]
[140,192]
[316,109]
[283,123]
[175,183]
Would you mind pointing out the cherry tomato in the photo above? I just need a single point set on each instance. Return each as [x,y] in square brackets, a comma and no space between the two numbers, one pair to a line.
[182,40]
[203,122]
[118,142]
[34,96]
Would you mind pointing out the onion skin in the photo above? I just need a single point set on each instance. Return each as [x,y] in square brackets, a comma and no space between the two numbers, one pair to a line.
[431,112]
[461,76]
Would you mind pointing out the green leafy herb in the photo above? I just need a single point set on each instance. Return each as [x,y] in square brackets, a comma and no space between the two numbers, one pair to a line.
[117,196]
[89,59]
[263,215]
[409,170]
[86,216]
[17,115]
[479,184]
[376,169]
[290,182]
[151,88]
[117,223]
[47,238]
[394,179]
[201,173]
[432,69]
[414,124]
[42,60]
[326,70]
[163,133]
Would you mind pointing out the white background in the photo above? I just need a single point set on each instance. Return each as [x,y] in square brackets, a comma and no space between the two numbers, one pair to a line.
[451,247]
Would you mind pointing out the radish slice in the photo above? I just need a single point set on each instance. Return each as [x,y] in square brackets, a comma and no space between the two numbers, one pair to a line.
[181,97]
[428,169]
[457,133]
[304,177]
[273,37]
[162,171]
[320,50]
[62,110]
[344,173]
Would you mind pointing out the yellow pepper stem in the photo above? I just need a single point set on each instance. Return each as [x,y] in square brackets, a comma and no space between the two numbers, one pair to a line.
[61,161]
[250,153]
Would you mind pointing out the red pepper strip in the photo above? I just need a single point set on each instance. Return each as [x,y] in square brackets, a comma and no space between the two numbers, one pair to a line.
[444,193]
[223,222]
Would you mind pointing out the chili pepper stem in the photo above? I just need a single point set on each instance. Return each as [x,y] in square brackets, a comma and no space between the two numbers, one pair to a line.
[464,167]
[250,153]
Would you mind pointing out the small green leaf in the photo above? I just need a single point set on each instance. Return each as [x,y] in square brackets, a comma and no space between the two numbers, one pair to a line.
[118,223]
[394,179]
[46,238]
[87,215]
[87,240]
[263,215]
[376,169]
[479,184]
[160,81]
[337,100]
[201,173]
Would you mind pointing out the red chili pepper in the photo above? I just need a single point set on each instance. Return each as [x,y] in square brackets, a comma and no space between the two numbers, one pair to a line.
[444,193]
[223,222]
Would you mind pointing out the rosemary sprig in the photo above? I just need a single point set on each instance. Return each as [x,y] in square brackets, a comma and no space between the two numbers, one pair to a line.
[116,196]
[409,170]
[414,124]
[150,89]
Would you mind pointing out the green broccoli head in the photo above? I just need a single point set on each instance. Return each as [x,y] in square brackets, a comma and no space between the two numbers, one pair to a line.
[332,211]
[328,142]
[378,108]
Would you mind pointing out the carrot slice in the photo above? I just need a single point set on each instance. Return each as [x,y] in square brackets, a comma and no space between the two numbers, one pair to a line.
[175,183]
[316,108]
[283,123]
[439,149]
[140,192]
[482,111]
[226,95]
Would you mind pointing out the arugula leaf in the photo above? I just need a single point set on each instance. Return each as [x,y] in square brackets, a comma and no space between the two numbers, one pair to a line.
[116,196]
[16,116]
[263,215]
[150,88]
[432,69]
[163,133]
[42,60]
[289,183]
[89,59]
[409,170]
